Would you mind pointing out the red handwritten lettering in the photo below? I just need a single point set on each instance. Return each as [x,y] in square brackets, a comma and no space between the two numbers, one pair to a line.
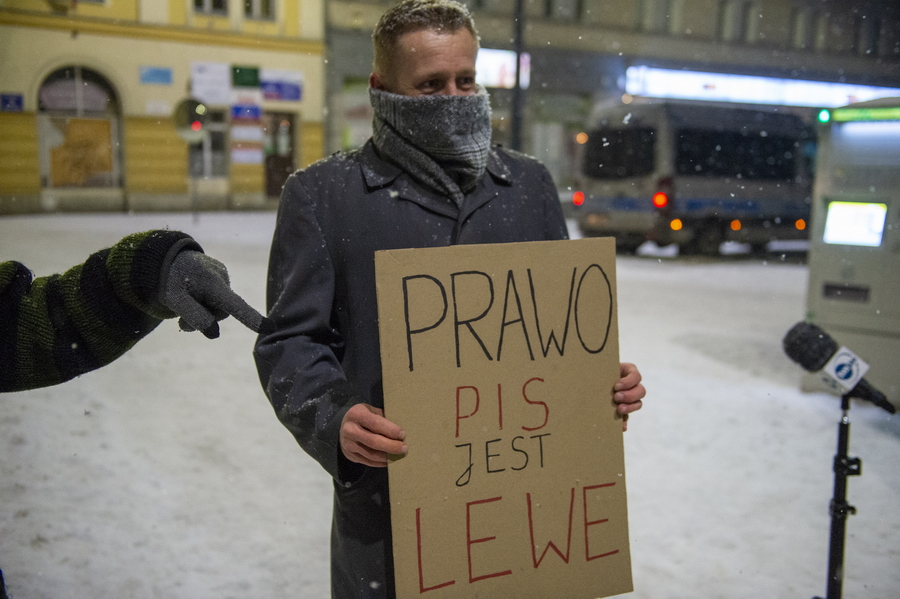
[536,403]
[422,587]
[470,541]
[472,413]
[588,524]
[550,544]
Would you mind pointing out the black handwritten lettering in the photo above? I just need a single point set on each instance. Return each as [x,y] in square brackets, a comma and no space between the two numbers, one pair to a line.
[511,285]
[488,455]
[409,330]
[497,456]
[608,289]
[540,439]
[468,322]
[551,338]
[522,451]
[468,472]
[589,306]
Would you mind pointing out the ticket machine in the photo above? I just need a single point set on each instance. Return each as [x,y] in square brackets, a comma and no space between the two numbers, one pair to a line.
[854,253]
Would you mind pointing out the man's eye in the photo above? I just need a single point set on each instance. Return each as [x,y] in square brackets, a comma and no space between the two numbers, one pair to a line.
[466,82]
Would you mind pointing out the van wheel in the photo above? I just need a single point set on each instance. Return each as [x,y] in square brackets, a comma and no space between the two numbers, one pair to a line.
[706,241]
[628,244]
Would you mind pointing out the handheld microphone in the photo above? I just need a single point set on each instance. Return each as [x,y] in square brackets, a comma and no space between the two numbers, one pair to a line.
[815,350]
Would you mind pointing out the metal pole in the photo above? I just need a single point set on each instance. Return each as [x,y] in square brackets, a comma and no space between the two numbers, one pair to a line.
[517,98]
[844,466]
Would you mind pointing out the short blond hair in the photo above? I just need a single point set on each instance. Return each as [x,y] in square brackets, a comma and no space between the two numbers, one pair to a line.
[415,15]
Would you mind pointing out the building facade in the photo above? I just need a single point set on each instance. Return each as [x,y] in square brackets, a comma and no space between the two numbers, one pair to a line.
[89,89]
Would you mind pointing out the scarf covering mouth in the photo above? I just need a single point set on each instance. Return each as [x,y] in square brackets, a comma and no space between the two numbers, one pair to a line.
[442,141]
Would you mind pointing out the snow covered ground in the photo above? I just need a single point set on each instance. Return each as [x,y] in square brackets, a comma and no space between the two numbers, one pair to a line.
[167,475]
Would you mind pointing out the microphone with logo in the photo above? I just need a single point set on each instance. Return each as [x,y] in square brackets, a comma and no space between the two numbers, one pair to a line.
[815,350]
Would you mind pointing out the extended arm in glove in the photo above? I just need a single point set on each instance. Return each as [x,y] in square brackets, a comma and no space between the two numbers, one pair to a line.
[197,288]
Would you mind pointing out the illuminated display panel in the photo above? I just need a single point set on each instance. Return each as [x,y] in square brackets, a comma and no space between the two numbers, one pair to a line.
[855,223]
[695,85]
[866,114]
[497,68]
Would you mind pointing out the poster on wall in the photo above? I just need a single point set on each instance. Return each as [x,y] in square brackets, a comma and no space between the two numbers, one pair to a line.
[246,136]
[281,85]
[149,75]
[211,82]
[499,363]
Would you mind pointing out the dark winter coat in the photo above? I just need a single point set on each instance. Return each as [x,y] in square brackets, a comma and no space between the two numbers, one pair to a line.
[324,356]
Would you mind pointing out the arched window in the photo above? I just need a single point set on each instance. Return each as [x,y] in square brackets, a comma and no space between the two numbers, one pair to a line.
[79,130]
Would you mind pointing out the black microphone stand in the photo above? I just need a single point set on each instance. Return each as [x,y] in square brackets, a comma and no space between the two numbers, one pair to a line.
[844,466]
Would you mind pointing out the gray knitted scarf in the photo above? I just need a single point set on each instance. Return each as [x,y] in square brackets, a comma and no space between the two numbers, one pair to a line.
[441,141]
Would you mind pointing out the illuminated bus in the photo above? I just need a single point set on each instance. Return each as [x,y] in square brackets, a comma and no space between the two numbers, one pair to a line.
[696,174]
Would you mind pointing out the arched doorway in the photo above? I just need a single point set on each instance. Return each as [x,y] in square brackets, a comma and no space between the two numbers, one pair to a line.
[79,132]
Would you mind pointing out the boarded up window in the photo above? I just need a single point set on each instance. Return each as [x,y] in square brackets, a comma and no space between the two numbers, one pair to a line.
[79,128]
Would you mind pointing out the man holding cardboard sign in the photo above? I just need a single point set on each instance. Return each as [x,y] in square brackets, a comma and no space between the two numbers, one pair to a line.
[427,178]
[514,484]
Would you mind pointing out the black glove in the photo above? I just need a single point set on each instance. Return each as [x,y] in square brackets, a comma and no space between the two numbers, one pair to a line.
[197,289]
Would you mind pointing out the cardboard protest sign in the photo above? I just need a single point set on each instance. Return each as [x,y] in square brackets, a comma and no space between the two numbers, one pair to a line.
[499,362]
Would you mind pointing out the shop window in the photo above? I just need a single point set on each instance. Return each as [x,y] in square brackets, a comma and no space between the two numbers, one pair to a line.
[655,15]
[734,20]
[802,27]
[209,158]
[564,10]
[259,9]
[79,132]
[211,7]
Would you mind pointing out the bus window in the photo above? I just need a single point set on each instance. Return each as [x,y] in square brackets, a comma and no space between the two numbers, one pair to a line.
[619,153]
[707,153]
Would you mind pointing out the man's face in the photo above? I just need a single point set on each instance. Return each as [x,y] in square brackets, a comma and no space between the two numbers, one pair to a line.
[428,62]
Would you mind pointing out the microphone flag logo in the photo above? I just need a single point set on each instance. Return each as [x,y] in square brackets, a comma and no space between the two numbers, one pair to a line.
[846,368]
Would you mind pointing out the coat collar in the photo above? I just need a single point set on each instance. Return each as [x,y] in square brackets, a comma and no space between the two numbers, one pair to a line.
[379,173]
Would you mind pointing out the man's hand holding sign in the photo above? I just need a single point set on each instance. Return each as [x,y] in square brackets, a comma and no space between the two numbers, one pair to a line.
[367,437]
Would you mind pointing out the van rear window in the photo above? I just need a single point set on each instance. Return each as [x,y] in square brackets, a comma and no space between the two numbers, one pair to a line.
[619,153]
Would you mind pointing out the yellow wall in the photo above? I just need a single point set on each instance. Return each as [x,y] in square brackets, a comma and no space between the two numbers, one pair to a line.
[177,11]
[247,178]
[292,19]
[155,156]
[312,143]
[110,9]
[19,172]
[35,53]
[218,23]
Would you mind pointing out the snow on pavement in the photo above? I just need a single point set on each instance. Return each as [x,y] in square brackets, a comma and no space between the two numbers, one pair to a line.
[166,474]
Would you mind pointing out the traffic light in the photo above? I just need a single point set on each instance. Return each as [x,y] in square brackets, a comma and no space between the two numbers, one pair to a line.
[190,118]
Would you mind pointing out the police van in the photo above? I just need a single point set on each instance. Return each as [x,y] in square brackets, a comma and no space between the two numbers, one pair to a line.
[695,173]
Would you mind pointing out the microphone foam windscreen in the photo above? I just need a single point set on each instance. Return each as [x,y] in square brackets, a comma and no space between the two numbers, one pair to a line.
[809,346]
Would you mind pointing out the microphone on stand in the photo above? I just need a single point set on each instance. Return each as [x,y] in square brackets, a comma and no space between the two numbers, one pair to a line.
[815,350]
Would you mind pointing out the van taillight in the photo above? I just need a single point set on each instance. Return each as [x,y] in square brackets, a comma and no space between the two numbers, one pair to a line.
[660,199]
[578,198]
